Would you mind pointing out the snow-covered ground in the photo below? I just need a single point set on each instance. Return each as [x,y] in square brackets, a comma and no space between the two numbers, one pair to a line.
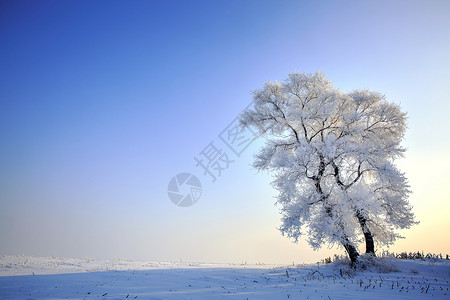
[61,278]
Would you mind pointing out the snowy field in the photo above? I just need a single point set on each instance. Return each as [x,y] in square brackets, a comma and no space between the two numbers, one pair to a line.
[61,278]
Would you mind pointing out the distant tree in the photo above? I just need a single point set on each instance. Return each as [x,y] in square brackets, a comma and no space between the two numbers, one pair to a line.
[331,155]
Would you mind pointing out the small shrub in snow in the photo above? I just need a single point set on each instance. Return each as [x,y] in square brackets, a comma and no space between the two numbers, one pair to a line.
[341,260]
[377,264]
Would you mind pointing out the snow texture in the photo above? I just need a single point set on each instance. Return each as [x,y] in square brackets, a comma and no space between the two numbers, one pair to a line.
[58,278]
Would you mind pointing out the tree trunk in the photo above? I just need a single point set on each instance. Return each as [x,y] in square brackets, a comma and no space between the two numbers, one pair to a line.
[370,247]
[351,251]
[348,246]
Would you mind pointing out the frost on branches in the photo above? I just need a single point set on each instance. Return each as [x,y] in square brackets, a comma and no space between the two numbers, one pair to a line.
[332,157]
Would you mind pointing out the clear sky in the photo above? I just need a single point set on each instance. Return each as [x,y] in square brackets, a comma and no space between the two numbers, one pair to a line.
[103,102]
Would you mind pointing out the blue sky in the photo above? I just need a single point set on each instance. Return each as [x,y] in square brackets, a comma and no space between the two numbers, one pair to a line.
[102,102]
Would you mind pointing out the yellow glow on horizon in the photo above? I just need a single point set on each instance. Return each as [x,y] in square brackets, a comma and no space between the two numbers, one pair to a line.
[429,178]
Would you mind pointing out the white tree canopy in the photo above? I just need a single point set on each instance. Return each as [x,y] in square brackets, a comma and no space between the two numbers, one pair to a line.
[332,157]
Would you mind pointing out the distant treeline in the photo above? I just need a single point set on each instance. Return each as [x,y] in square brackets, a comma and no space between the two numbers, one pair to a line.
[414,255]
[387,254]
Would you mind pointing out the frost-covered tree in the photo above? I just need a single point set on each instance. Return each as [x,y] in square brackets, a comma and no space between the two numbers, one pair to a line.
[331,155]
